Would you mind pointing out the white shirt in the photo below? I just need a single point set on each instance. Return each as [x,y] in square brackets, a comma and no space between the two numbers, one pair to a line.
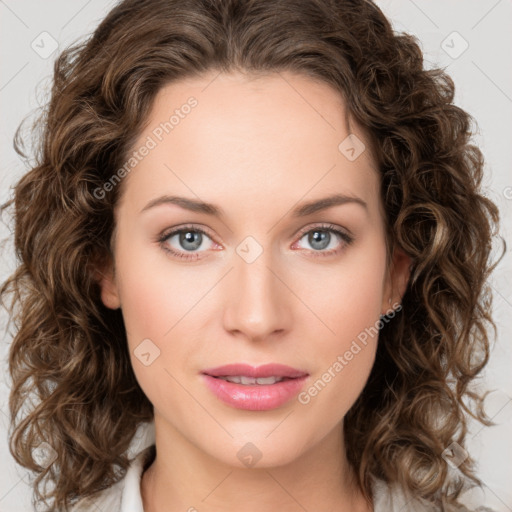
[125,495]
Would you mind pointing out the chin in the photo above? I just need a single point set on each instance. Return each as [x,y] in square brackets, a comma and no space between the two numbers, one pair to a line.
[258,451]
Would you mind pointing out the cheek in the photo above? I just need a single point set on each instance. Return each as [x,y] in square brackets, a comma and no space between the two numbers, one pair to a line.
[153,295]
[154,306]
[347,297]
[153,313]
[342,361]
[163,302]
[348,302]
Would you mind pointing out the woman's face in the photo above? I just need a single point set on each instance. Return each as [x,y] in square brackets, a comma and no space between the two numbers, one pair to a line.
[270,281]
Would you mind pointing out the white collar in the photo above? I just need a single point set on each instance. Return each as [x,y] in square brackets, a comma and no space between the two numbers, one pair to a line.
[141,448]
[131,499]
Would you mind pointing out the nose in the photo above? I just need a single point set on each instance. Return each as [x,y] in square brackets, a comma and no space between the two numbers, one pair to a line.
[258,303]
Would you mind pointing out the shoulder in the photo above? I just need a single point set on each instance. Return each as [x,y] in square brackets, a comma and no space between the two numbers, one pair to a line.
[107,499]
[392,498]
[124,494]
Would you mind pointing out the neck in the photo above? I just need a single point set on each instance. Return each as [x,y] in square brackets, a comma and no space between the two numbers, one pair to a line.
[183,477]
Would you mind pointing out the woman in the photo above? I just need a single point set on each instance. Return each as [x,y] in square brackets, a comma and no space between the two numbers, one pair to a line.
[258,228]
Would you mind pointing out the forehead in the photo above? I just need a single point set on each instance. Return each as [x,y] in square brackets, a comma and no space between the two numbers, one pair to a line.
[247,138]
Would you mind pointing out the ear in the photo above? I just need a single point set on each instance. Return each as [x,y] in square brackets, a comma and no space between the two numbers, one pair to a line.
[396,281]
[105,276]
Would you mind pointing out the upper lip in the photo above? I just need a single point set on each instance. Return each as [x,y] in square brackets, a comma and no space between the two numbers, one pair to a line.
[266,370]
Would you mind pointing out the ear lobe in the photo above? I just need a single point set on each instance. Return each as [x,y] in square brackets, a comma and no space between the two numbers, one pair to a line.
[104,276]
[398,278]
[402,263]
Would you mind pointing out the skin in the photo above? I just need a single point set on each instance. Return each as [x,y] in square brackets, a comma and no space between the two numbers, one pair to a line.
[256,148]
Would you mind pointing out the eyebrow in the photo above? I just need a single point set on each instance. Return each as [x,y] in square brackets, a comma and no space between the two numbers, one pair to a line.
[302,210]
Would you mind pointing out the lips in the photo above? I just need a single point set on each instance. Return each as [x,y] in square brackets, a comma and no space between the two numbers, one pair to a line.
[255,389]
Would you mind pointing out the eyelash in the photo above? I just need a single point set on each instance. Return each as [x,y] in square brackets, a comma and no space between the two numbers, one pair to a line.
[348,239]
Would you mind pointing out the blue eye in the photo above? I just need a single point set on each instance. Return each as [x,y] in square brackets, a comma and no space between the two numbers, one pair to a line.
[190,239]
[321,237]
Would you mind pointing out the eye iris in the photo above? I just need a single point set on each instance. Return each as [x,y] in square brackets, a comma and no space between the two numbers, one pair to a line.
[190,237]
[319,239]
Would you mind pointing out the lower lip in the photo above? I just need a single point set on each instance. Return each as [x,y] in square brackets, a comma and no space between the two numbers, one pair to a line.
[255,397]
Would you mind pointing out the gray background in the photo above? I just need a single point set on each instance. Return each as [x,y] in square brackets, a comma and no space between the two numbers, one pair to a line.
[483,76]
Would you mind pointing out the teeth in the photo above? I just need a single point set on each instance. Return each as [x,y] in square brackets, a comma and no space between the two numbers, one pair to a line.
[242,379]
[268,380]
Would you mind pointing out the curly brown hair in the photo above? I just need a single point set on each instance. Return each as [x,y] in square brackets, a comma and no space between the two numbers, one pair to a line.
[72,381]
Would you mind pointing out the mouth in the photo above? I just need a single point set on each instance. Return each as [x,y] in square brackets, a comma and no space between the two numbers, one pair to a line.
[250,381]
[256,389]
[279,371]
